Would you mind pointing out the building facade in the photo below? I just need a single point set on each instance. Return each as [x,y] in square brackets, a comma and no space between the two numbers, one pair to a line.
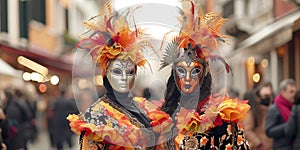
[45,32]
[266,36]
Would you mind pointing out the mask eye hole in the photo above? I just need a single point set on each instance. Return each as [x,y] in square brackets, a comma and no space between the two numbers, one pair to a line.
[117,72]
[196,71]
[181,71]
[130,72]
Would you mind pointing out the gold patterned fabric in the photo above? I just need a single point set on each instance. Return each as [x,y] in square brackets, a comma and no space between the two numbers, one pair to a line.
[218,127]
[107,125]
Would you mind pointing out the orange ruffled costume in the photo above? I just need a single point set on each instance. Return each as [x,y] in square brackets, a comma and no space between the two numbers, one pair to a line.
[229,111]
[128,135]
[222,111]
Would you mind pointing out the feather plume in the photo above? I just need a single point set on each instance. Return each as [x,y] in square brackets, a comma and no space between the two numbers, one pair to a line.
[109,36]
[199,29]
[108,7]
[171,53]
[217,57]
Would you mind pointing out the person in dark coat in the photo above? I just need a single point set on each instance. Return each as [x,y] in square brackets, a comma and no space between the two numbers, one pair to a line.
[4,128]
[17,119]
[278,115]
[63,106]
[293,126]
[4,136]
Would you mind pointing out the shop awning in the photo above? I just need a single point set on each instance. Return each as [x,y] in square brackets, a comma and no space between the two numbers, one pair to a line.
[56,64]
[6,69]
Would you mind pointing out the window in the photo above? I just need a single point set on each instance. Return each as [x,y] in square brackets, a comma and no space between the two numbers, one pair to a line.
[31,10]
[228,9]
[67,19]
[38,10]
[24,18]
[3,16]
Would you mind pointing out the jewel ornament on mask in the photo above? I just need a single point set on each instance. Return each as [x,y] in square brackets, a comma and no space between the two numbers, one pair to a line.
[189,54]
[121,75]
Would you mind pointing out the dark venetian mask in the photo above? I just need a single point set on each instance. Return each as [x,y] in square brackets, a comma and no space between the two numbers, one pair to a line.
[189,76]
[189,70]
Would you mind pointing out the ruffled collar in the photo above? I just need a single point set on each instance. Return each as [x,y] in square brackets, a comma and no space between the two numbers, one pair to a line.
[218,110]
[160,122]
[125,100]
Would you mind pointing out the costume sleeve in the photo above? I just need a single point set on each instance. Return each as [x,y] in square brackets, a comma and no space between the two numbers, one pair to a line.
[86,144]
[250,135]
[227,136]
[239,138]
[290,129]
[273,129]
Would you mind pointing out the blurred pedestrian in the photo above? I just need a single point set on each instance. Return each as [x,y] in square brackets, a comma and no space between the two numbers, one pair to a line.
[30,94]
[28,114]
[279,113]
[4,128]
[63,106]
[16,119]
[254,124]
[293,126]
[49,117]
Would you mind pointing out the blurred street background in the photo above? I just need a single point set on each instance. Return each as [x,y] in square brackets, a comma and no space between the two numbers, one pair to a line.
[43,79]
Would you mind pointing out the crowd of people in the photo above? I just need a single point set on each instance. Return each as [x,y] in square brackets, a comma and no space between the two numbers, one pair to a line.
[18,124]
[58,127]
[24,113]
[271,121]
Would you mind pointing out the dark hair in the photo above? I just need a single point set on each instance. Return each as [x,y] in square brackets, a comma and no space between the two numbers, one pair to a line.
[255,106]
[62,92]
[173,93]
[19,93]
[146,93]
[9,93]
[106,84]
[264,84]
[115,96]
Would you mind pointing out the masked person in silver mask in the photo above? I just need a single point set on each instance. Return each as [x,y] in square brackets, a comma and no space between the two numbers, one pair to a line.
[254,124]
[118,120]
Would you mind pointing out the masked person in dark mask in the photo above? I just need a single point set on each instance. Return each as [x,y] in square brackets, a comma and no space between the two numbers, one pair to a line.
[259,99]
[202,120]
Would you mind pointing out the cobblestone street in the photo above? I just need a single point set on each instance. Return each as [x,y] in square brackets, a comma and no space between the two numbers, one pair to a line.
[43,143]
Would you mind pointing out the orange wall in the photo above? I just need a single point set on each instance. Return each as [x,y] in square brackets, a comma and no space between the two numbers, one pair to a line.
[40,37]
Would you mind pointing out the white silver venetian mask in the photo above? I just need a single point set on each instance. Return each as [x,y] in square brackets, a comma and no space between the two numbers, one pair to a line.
[121,75]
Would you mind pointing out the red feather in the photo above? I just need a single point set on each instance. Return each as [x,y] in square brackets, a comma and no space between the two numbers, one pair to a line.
[193,8]
[216,57]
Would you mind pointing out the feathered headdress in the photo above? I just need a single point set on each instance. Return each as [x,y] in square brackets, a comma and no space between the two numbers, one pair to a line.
[198,37]
[109,37]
